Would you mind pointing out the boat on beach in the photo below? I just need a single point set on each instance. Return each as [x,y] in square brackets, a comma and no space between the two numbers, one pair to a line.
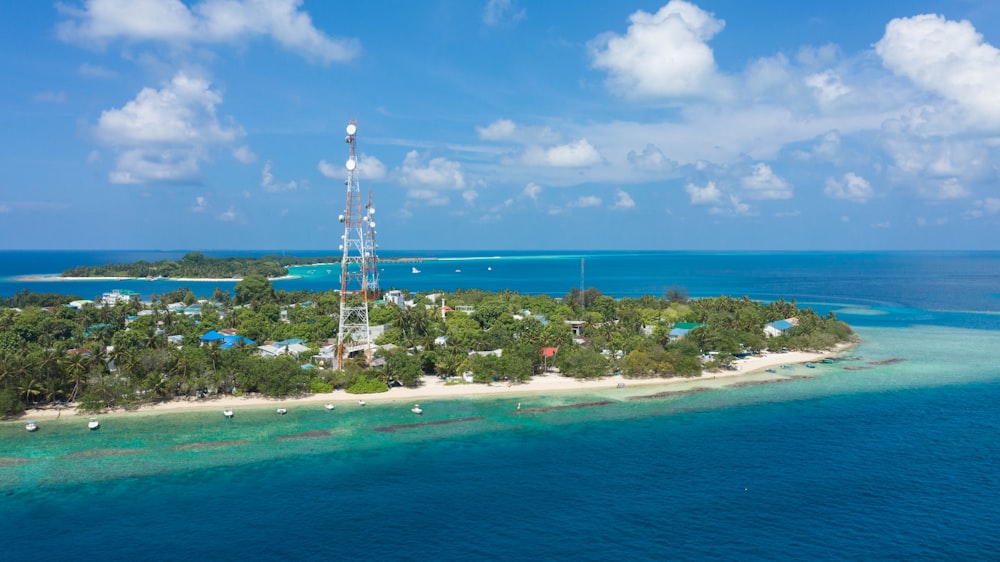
[416,409]
[31,425]
[93,424]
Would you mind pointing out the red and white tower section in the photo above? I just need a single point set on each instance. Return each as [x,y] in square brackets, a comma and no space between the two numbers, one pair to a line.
[356,264]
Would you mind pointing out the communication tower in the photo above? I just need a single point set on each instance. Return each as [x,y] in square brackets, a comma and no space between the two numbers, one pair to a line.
[354,334]
[371,265]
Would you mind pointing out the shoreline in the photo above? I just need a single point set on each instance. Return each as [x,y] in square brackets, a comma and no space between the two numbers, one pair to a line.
[434,388]
[55,277]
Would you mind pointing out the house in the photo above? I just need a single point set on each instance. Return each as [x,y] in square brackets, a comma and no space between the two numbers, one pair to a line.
[779,327]
[227,338]
[395,297]
[681,329]
[118,295]
[576,326]
[494,352]
[294,346]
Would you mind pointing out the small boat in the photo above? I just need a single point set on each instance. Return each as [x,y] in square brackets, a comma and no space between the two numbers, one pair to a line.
[416,409]
[489,269]
[827,361]
[771,371]
[810,366]
[786,366]
[228,412]
[31,425]
[518,406]
[361,402]
[282,411]
[415,270]
[93,424]
[329,406]
[458,271]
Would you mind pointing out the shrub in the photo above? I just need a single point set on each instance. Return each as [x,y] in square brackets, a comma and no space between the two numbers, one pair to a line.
[365,385]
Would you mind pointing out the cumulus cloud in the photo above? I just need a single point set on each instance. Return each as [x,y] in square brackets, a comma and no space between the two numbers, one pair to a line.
[763,183]
[200,204]
[430,197]
[573,155]
[623,200]
[651,159]
[735,208]
[586,201]
[163,135]
[95,71]
[244,154]
[229,215]
[501,11]
[369,168]
[497,130]
[703,195]
[852,188]
[987,206]
[661,55]
[267,182]
[827,86]
[532,190]
[946,57]
[470,196]
[438,172]
[210,21]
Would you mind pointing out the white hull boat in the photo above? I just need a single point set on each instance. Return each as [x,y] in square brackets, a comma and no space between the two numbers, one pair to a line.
[93,424]
[31,425]
[329,406]
[282,411]
[228,413]
[416,409]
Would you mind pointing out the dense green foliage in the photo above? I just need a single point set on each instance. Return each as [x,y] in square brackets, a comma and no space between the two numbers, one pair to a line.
[196,265]
[120,356]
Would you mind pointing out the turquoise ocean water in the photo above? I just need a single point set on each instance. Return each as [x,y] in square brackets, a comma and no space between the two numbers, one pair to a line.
[888,459]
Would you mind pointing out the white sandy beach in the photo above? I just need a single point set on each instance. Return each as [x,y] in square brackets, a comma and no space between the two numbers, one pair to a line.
[434,388]
[47,277]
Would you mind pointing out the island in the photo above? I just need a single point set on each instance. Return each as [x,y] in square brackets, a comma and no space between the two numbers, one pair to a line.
[195,265]
[261,342]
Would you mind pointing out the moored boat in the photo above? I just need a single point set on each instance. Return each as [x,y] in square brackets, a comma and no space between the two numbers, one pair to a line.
[228,412]
[416,409]
[31,425]
[282,411]
[93,424]
[361,402]
[329,406]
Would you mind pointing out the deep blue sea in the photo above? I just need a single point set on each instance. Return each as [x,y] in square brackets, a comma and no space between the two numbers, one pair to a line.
[897,458]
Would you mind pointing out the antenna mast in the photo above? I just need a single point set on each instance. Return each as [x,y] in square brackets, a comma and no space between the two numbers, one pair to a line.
[354,334]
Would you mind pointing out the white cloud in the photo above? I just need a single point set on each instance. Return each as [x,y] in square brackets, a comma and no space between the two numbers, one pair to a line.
[827,86]
[229,215]
[428,196]
[470,196]
[501,11]
[330,170]
[950,188]
[623,200]
[703,195]
[989,205]
[586,201]
[96,71]
[497,130]
[267,182]
[735,208]
[200,205]
[371,168]
[651,159]
[532,190]
[51,97]
[210,21]
[244,154]
[946,57]
[763,183]
[573,155]
[438,172]
[661,55]
[163,135]
[852,188]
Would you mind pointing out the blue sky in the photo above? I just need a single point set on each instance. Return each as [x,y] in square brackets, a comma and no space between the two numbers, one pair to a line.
[502,124]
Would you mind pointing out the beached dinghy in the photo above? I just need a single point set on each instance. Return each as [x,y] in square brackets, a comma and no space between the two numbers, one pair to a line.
[31,425]
[416,409]
[93,424]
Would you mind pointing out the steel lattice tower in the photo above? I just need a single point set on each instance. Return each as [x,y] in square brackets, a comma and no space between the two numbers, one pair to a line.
[354,334]
[371,265]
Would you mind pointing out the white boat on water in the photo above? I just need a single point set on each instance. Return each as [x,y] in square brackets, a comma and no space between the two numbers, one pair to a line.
[361,402]
[228,412]
[416,409]
[31,425]
[329,406]
[282,411]
[415,270]
[93,424]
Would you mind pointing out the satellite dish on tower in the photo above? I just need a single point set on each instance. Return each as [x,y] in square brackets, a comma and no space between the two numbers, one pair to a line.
[351,164]
[352,128]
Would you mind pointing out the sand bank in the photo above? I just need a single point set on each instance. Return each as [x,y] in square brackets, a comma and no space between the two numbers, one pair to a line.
[434,388]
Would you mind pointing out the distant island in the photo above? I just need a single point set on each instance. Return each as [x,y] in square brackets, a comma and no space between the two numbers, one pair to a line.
[196,265]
